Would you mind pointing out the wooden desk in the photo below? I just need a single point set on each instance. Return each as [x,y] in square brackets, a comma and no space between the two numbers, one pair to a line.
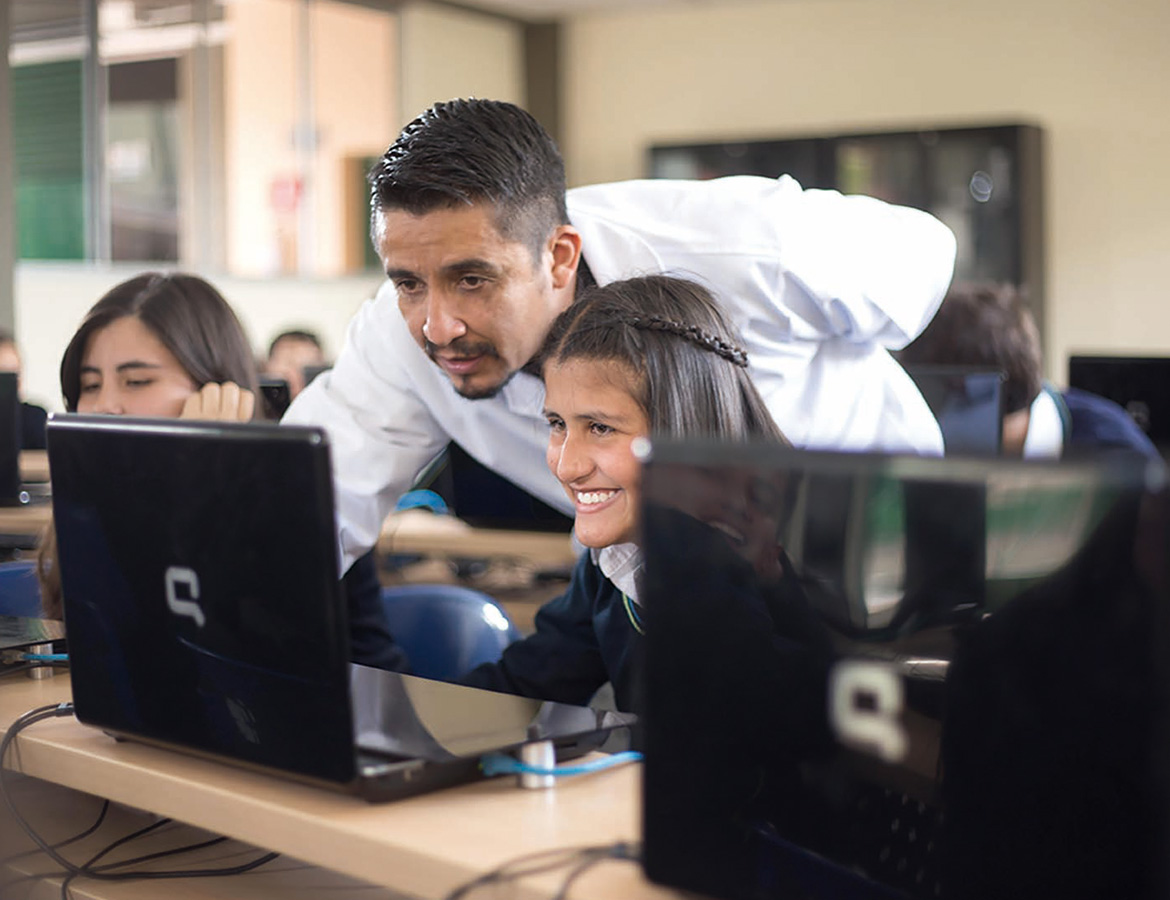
[423,846]
[34,466]
[21,526]
[58,813]
[420,531]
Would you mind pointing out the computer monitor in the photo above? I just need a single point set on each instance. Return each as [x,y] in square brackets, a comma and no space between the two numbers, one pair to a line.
[10,442]
[968,405]
[275,398]
[955,689]
[1139,384]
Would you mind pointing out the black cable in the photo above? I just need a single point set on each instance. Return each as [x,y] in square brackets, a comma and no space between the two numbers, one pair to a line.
[14,668]
[573,875]
[524,866]
[86,866]
[617,851]
[159,854]
[174,851]
[41,713]
[84,834]
[81,835]
[105,808]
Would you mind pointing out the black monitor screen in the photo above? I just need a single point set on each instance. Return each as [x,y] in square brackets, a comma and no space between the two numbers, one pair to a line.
[486,499]
[1139,384]
[10,440]
[967,403]
[883,677]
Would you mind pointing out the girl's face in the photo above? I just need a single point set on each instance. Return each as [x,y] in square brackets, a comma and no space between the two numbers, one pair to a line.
[126,371]
[594,421]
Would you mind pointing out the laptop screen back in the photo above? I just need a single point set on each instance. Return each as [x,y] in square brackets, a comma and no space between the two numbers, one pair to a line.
[202,602]
[881,677]
[967,403]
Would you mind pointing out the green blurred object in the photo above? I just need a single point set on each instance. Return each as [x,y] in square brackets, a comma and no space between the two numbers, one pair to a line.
[47,150]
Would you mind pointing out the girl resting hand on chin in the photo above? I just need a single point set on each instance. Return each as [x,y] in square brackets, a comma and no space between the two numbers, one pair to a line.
[156,345]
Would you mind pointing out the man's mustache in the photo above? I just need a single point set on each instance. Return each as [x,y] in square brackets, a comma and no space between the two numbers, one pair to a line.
[460,349]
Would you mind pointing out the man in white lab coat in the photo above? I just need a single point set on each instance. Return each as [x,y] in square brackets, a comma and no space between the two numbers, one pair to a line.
[482,251]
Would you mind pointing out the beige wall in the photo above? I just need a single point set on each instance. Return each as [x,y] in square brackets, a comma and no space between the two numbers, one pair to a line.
[355,110]
[1095,76]
[448,53]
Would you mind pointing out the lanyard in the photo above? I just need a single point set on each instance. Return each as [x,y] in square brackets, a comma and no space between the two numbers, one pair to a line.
[632,612]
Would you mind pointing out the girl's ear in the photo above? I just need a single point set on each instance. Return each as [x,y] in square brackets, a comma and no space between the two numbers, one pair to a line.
[565,249]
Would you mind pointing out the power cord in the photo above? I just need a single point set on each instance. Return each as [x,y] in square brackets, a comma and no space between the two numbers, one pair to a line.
[13,661]
[502,764]
[18,667]
[581,858]
[88,869]
[16,656]
[101,817]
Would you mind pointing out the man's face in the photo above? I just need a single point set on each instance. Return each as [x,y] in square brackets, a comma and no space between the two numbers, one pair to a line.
[477,303]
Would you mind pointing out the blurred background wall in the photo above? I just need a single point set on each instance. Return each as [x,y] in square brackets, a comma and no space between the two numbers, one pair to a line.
[231,137]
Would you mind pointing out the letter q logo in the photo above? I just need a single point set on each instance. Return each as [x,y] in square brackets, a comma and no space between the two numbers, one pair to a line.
[180,575]
[866,701]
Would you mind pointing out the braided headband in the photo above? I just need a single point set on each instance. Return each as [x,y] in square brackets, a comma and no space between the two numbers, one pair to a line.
[692,333]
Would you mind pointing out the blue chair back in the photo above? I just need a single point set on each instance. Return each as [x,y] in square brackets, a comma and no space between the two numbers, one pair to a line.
[20,593]
[445,629]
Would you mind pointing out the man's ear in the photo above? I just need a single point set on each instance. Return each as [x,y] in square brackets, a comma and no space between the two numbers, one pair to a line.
[565,248]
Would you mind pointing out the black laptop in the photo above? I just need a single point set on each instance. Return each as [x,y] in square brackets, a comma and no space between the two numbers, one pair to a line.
[203,612]
[968,405]
[1138,384]
[10,442]
[882,677]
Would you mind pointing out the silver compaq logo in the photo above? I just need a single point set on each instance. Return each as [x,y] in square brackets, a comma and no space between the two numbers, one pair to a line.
[189,606]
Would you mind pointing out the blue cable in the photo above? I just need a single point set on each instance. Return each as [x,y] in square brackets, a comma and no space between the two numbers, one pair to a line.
[502,764]
[422,499]
[45,657]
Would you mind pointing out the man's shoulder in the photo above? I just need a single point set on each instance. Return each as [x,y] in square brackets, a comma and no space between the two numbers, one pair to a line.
[674,189]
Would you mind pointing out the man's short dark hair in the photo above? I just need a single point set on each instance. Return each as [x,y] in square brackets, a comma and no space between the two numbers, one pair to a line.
[985,325]
[466,152]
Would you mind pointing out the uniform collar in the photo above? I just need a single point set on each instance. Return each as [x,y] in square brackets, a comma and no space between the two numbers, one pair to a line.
[1045,438]
[621,564]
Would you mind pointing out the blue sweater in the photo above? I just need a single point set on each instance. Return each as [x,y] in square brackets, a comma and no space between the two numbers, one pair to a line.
[1095,423]
[583,639]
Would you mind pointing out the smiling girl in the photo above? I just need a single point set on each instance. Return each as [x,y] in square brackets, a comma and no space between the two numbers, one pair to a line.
[647,357]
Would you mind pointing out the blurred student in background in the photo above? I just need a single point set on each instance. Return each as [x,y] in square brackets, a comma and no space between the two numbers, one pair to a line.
[32,417]
[155,345]
[290,353]
[990,325]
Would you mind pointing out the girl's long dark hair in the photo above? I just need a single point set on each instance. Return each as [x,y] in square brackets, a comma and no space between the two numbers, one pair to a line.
[692,377]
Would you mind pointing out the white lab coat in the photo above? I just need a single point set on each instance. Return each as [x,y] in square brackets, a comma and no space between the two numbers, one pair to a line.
[820,286]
